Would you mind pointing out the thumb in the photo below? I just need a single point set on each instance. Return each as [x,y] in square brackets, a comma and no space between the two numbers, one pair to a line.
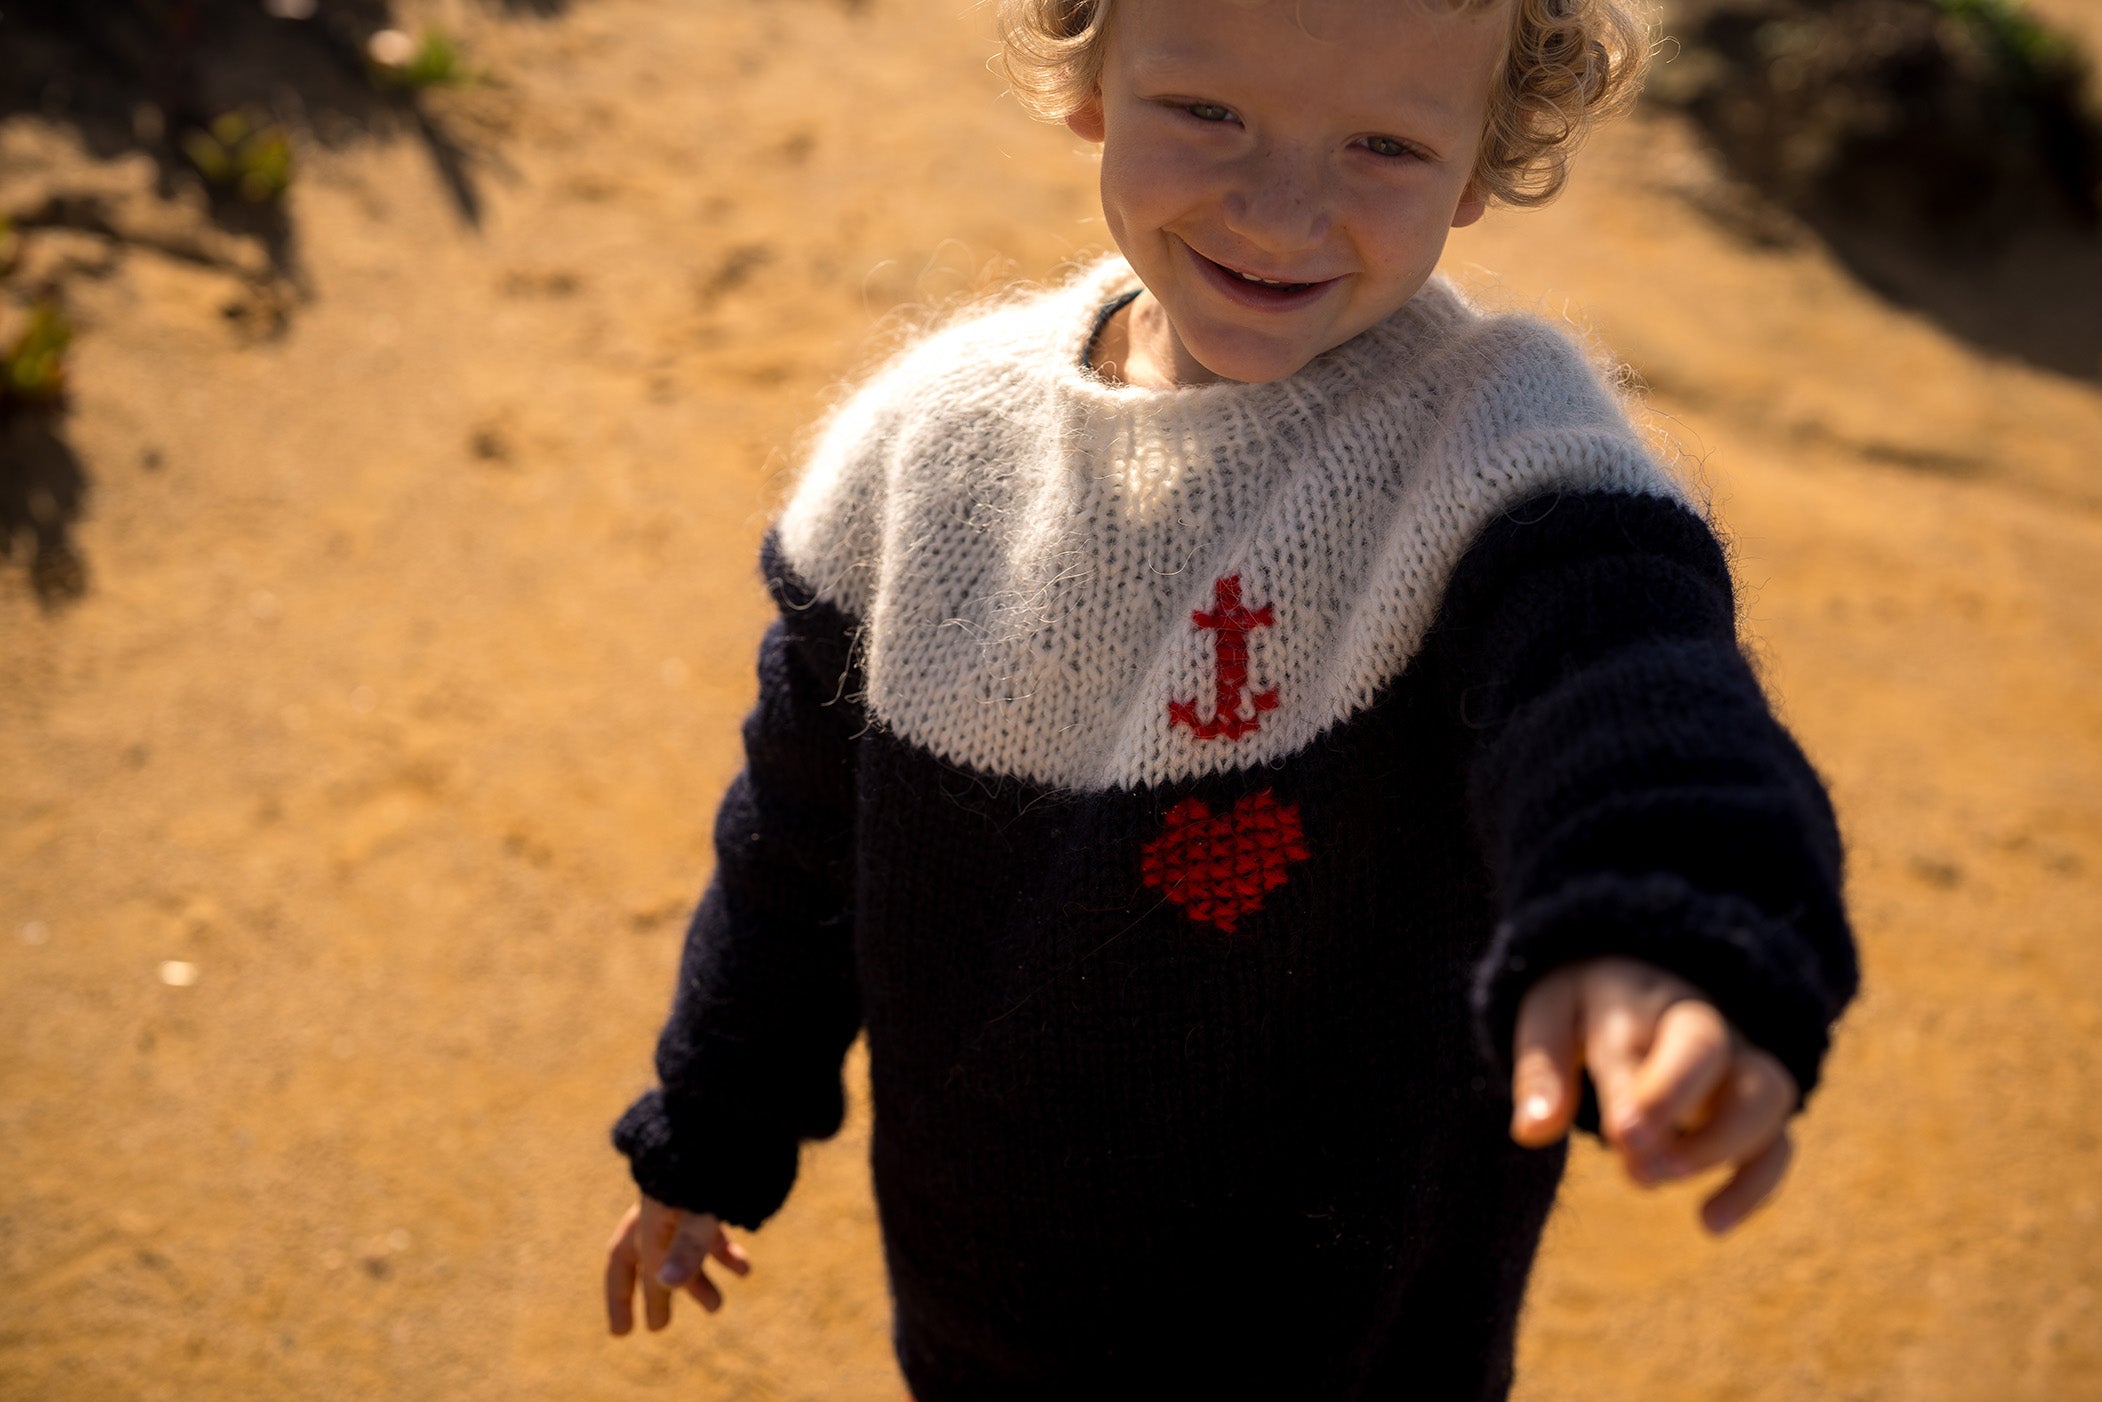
[689,1245]
[1546,1054]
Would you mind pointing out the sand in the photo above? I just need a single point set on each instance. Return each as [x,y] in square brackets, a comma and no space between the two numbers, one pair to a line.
[415,634]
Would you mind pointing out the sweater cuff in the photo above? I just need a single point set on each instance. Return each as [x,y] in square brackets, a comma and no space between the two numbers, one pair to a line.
[1757,970]
[742,1176]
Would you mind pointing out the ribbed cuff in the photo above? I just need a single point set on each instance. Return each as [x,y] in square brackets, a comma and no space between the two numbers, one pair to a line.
[737,1172]
[1758,971]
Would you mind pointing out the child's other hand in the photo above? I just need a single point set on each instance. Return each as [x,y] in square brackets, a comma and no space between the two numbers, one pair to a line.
[664,1247]
[1679,1091]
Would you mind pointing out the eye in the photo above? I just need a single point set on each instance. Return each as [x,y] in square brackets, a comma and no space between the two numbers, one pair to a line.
[1207,111]
[1390,148]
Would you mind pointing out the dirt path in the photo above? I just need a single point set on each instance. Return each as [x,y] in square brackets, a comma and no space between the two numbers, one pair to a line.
[415,641]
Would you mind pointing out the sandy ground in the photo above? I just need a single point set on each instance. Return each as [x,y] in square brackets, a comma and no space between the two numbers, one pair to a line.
[414,644]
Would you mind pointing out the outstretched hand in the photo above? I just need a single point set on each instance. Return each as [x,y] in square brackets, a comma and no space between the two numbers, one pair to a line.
[1679,1090]
[665,1249]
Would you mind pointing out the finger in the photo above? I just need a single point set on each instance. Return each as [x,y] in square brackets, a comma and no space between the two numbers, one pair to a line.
[620,1276]
[653,1233]
[1545,1059]
[1687,1060]
[730,1253]
[1751,1109]
[703,1289]
[1615,1040]
[656,1302]
[624,1231]
[689,1247]
[1751,1186]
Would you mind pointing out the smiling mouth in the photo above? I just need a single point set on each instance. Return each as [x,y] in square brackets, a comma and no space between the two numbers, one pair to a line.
[1267,281]
[1255,283]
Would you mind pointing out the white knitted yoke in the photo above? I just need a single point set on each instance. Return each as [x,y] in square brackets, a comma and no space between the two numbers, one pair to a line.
[1038,559]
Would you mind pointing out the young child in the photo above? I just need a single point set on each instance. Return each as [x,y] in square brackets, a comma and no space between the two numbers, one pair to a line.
[1257,745]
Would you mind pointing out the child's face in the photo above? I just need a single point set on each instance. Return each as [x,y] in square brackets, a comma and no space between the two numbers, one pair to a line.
[1322,143]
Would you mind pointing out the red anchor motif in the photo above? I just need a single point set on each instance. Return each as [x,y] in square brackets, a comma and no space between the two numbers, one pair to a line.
[1232,623]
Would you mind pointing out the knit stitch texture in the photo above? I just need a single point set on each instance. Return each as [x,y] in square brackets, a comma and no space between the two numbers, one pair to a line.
[1026,543]
[1181,791]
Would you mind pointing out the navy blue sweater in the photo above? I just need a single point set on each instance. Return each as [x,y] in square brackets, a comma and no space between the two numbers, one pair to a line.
[1199,1088]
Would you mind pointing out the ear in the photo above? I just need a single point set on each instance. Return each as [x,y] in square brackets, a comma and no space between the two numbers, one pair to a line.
[1086,119]
[1473,205]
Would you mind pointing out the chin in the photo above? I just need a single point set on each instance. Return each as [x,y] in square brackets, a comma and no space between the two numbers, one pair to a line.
[1240,353]
[1251,367]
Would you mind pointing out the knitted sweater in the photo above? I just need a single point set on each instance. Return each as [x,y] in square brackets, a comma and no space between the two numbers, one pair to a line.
[1181,789]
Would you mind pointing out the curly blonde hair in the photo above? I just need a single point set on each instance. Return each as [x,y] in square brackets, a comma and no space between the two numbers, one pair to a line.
[1570,64]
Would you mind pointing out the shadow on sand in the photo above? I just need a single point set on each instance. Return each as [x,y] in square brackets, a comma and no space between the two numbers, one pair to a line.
[129,75]
[1947,151]
[159,77]
[42,494]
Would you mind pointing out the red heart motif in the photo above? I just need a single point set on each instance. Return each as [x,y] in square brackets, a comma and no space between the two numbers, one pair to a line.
[1218,868]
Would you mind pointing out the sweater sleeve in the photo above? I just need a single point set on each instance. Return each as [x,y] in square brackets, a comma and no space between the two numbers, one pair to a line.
[1631,788]
[766,1003]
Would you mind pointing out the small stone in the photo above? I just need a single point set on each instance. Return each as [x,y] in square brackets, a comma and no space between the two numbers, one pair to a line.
[490,444]
[178,973]
[390,48]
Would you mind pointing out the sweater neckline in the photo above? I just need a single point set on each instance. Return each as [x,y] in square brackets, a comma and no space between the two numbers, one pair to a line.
[1101,291]
[1101,324]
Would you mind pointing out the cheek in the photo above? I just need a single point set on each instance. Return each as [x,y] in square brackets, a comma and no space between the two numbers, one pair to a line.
[1147,182]
[1401,230]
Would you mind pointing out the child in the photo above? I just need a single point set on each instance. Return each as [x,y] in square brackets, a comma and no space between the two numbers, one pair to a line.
[1213,703]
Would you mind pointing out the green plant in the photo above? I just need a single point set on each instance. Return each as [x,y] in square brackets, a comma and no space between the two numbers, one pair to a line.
[431,61]
[33,370]
[2021,43]
[242,154]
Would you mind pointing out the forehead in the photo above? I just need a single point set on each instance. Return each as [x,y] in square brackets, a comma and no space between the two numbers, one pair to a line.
[1435,54]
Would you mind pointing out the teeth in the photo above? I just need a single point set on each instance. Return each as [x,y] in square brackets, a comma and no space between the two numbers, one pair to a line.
[1267,282]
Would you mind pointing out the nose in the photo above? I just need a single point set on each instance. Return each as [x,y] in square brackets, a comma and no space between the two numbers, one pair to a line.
[1277,199]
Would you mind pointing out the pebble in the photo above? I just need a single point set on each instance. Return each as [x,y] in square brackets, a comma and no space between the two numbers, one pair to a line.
[390,48]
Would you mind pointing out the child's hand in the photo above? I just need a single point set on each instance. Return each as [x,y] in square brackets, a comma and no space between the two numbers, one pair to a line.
[1679,1090]
[665,1247]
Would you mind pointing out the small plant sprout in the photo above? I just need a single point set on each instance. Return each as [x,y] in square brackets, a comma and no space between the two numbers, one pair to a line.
[241,153]
[399,61]
[33,368]
[2018,39]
